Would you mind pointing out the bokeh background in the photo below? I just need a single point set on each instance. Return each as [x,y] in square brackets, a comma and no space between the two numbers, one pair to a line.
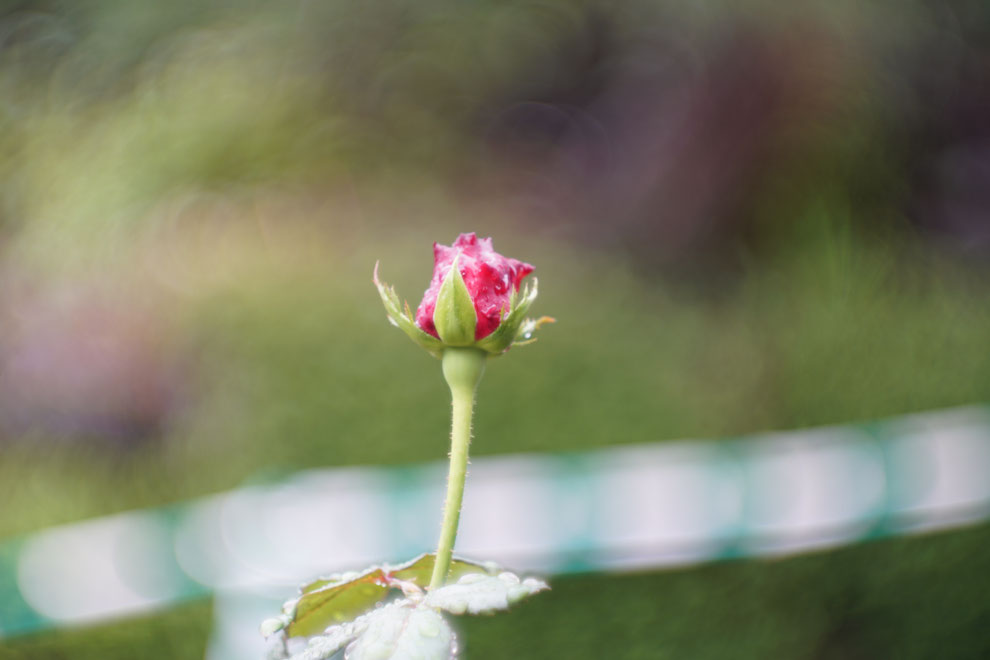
[744,215]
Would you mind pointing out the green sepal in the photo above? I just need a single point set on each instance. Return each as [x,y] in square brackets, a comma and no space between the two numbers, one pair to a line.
[454,316]
[510,330]
[401,317]
[525,333]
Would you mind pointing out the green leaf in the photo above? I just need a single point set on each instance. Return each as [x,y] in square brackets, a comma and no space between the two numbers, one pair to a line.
[454,315]
[484,594]
[403,630]
[420,570]
[341,598]
[325,603]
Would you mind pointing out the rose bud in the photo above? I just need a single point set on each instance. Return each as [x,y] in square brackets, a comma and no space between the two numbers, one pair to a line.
[473,300]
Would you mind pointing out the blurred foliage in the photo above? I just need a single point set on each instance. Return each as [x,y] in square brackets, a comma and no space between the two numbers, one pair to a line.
[744,216]
[891,599]
[181,632]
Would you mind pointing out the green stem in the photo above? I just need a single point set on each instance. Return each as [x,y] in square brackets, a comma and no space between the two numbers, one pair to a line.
[462,368]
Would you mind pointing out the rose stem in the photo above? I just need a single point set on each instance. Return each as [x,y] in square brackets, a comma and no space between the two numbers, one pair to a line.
[462,368]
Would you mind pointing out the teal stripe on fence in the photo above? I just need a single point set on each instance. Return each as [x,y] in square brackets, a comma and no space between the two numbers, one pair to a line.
[624,508]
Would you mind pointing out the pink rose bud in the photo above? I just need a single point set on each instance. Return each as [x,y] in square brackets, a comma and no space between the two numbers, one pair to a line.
[490,280]
[473,299]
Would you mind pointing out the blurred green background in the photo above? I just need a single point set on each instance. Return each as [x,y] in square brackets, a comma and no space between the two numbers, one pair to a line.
[744,217]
